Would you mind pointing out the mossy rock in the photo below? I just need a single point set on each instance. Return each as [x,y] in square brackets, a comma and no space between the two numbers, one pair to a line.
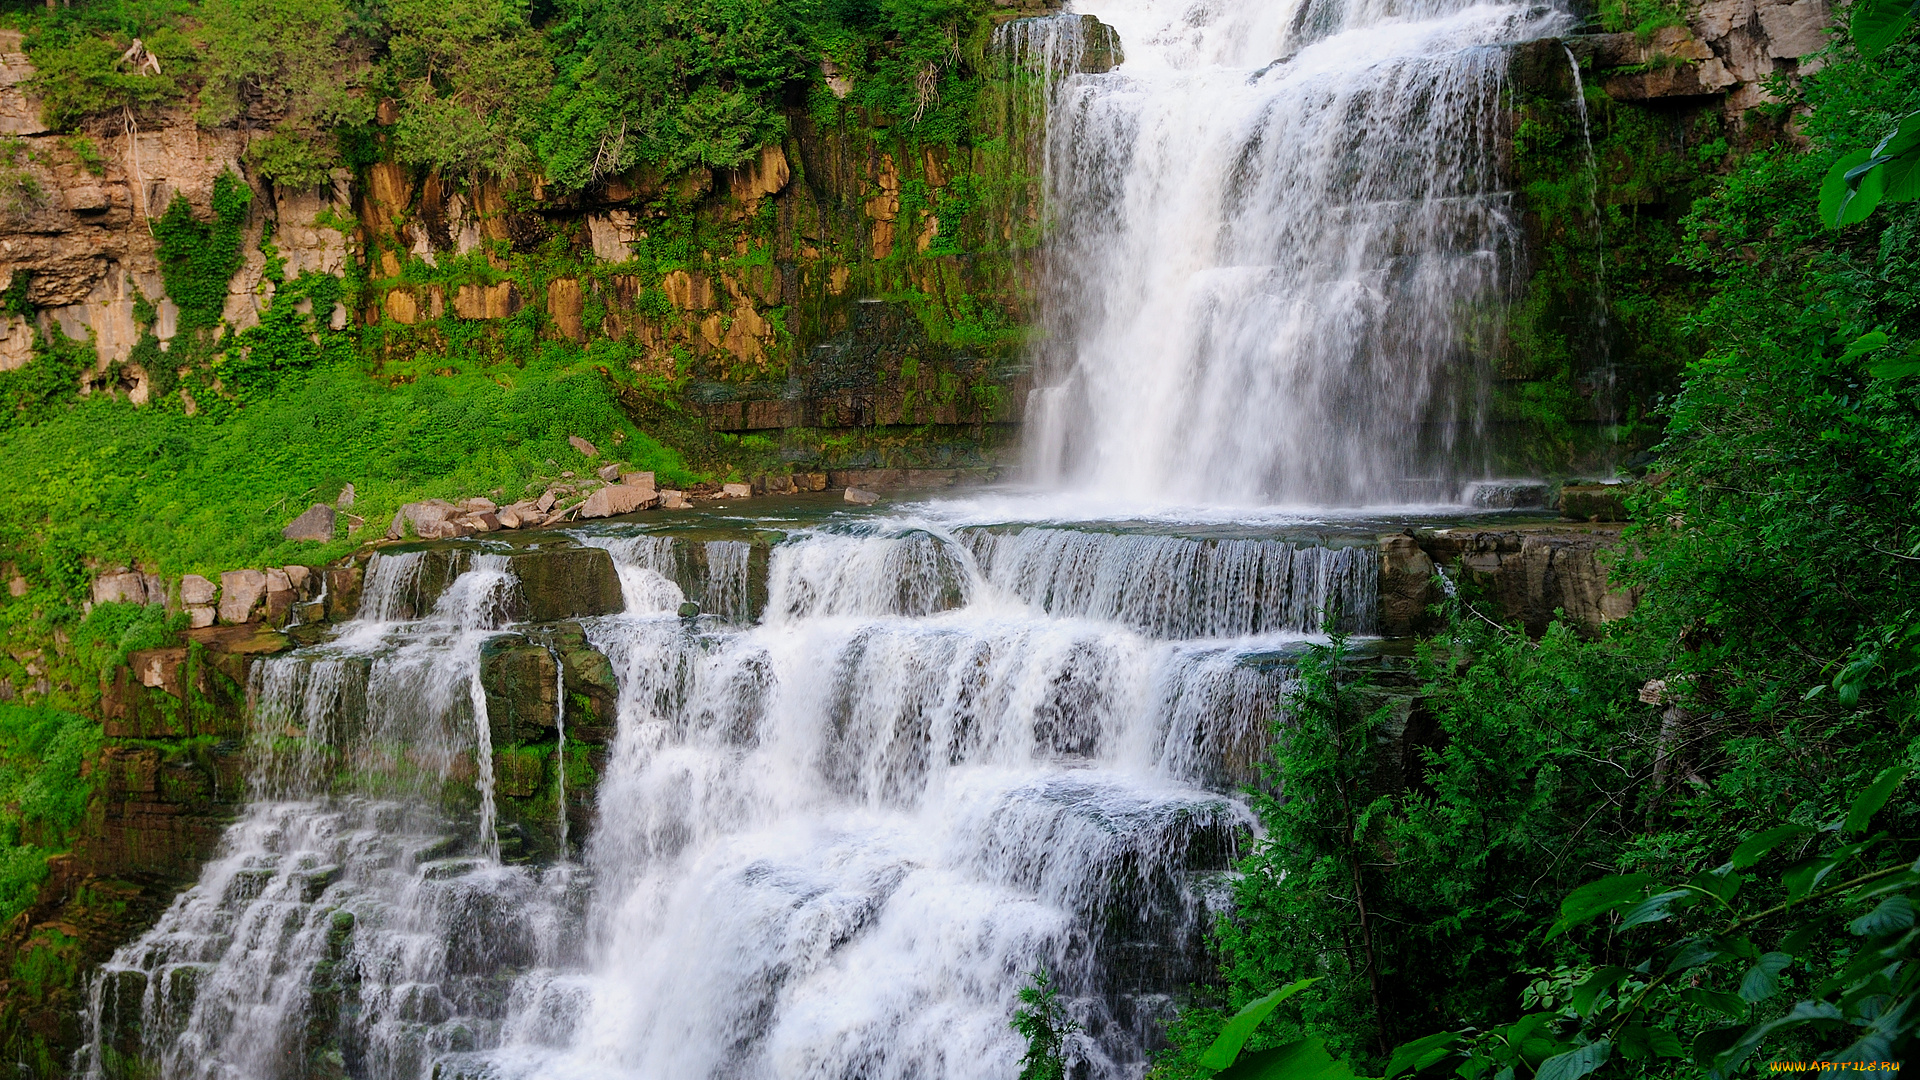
[566,583]
[1594,502]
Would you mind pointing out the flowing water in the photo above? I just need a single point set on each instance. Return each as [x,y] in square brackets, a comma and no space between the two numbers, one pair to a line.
[889,767]
[833,842]
[1281,248]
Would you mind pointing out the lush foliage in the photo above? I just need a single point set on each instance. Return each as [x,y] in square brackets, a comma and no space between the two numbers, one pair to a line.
[43,794]
[1042,1020]
[198,258]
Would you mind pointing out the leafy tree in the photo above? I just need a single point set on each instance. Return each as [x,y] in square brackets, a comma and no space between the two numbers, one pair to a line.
[292,65]
[470,76]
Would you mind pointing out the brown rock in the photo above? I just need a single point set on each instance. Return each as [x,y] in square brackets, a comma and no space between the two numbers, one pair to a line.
[617,499]
[675,500]
[586,448]
[314,525]
[609,472]
[240,594]
[736,491]
[861,496]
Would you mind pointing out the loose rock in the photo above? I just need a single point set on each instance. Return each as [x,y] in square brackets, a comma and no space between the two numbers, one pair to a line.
[862,496]
[609,472]
[316,524]
[637,479]
[345,500]
[675,500]
[195,589]
[617,499]
[586,448]
[736,491]
[240,592]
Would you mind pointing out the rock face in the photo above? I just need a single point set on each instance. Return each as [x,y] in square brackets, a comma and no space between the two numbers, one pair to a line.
[315,524]
[566,583]
[1528,573]
[1594,502]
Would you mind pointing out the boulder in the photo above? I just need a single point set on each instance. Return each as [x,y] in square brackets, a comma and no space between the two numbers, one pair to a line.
[482,521]
[609,472]
[196,590]
[240,593]
[586,448]
[345,501]
[300,577]
[315,524]
[736,491]
[675,500]
[545,503]
[200,616]
[813,481]
[617,499]
[567,583]
[127,587]
[637,479]
[479,505]
[861,496]
[1406,585]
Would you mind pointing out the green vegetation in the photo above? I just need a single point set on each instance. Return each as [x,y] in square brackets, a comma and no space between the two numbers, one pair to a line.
[43,794]
[1682,847]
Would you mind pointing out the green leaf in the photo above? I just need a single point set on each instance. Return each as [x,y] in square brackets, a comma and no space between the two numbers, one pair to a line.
[1596,898]
[1846,198]
[1590,989]
[1803,878]
[1575,1063]
[1762,980]
[1306,1059]
[1900,367]
[1719,884]
[1736,1054]
[1656,908]
[1692,953]
[1727,1004]
[1894,913]
[1420,1053]
[1871,800]
[1877,24]
[1865,344]
[1665,1043]
[1234,1036]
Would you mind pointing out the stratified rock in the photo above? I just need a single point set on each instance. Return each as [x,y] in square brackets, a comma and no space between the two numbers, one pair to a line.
[813,481]
[1406,585]
[343,592]
[736,491]
[586,448]
[240,593]
[315,524]
[521,683]
[195,589]
[617,499]
[567,583]
[861,496]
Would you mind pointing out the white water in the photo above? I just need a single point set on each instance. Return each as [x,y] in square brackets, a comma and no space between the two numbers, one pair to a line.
[1280,251]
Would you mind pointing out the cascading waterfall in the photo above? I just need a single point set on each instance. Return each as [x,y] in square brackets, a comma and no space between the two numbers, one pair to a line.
[832,843]
[1280,250]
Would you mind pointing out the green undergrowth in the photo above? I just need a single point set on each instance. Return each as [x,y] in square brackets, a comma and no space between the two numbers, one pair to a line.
[43,794]
[100,481]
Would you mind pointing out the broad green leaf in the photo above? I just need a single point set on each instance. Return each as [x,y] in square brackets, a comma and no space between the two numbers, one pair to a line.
[1575,1063]
[1905,366]
[1897,883]
[1845,200]
[1727,1004]
[1691,953]
[1306,1059]
[1590,989]
[1865,344]
[1894,913]
[1755,847]
[1596,898]
[1665,1043]
[1235,1034]
[1656,908]
[1871,800]
[1718,885]
[1736,1054]
[1420,1053]
[1762,980]
[1877,24]
[1803,878]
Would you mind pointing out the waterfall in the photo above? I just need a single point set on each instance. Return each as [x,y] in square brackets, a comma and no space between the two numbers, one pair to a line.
[1281,246]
